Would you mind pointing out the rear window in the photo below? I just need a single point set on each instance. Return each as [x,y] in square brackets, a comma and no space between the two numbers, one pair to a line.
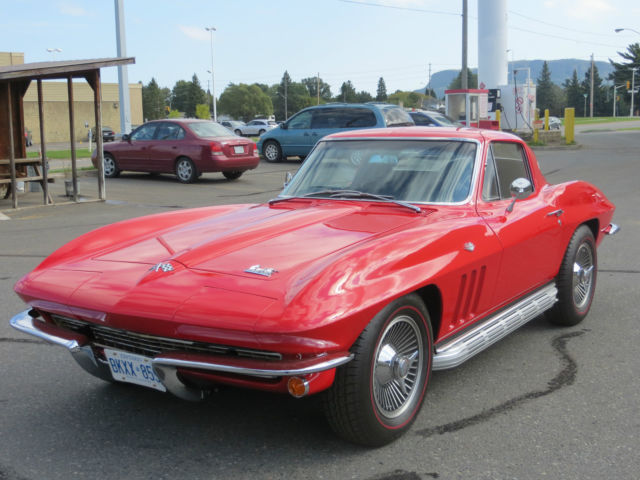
[396,117]
[208,129]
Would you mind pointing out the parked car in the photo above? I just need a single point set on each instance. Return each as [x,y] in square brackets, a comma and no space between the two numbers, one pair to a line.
[298,135]
[554,123]
[391,253]
[255,127]
[186,147]
[431,118]
[108,134]
[234,126]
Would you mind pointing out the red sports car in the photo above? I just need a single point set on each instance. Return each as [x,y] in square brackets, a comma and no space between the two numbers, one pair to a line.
[390,254]
[186,147]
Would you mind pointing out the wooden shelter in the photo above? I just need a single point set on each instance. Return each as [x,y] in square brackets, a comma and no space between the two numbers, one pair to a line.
[14,81]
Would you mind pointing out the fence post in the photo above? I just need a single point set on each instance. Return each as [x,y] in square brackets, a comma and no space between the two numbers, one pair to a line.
[569,124]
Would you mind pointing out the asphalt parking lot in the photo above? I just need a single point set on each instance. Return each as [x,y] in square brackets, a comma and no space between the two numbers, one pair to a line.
[546,402]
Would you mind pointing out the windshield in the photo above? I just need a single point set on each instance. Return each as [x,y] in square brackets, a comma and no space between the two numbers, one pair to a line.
[396,117]
[419,171]
[208,129]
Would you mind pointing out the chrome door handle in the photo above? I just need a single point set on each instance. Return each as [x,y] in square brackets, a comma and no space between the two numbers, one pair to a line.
[557,213]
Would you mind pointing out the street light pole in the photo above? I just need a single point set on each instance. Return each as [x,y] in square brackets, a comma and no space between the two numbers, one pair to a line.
[618,30]
[584,110]
[213,81]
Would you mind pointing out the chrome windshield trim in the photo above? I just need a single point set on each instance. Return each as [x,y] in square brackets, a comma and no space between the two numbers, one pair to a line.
[474,177]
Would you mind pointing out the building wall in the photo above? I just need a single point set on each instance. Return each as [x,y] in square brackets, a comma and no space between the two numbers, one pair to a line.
[11,58]
[56,111]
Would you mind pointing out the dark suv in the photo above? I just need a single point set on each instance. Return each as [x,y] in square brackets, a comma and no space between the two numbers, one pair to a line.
[298,135]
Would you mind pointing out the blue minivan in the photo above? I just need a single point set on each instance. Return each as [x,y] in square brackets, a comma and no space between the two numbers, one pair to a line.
[299,134]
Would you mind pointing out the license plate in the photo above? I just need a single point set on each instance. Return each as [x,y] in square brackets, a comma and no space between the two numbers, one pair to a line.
[132,368]
[238,149]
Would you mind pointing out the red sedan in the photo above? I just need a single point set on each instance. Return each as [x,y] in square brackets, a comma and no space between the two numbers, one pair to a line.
[186,147]
[391,253]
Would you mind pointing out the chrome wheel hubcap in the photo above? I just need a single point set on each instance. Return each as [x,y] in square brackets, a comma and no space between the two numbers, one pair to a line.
[399,361]
[109,166]
[184,170]
[271,152]
[583,269]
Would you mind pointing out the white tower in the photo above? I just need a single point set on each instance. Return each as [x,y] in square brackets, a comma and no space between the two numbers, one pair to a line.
[492,43]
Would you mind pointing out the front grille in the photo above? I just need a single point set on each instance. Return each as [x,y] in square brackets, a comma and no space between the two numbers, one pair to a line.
[151,345]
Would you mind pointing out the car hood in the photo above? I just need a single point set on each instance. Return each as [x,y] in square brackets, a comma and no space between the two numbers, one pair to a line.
[283,239]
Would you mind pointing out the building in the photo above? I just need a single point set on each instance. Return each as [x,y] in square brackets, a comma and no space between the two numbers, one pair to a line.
[56,111]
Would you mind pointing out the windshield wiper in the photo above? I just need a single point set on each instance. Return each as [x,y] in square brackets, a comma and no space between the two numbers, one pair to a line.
[350,194]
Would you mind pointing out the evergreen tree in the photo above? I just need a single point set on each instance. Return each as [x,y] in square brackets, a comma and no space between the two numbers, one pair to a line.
[574,92]
[622,74]
[472,80]
[544,89]
[600,102]
[154,100]
[381,94]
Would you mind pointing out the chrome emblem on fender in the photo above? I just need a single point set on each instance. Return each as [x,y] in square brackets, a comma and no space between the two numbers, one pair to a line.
[162,267]
[258,270]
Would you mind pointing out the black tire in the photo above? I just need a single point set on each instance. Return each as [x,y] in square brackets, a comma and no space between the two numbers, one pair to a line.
[272,151]
[376,397]
[186,170]
[111,169]
[576,280]
[233,175]
[238,132]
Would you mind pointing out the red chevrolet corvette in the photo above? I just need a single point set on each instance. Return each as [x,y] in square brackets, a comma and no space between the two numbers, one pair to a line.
[390,254]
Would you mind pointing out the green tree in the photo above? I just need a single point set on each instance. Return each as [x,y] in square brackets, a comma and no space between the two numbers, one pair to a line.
[202,111]
[312,86]
[381,93]
[186,95]
[600,102]
[574,93]
[407,99]
[174,114]
[363,97]
[347,93]
[154,100]
[544,89]
[296,94]
[622,74]
[245,102]
[472,81]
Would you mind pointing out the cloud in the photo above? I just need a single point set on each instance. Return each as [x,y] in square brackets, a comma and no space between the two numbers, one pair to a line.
[67,8]
[196,33]
[590,9]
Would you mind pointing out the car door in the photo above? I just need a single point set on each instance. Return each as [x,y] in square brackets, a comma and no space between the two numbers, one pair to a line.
[134,155]
[530,234]
[295,137]
[166,148]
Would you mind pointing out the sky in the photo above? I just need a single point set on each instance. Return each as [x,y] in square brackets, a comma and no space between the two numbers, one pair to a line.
[357,40]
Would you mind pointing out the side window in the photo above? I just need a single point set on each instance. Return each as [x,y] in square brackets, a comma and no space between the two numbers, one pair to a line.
[510,163]
[357,117]
[490,190]
[325,118]
[300,121]
[422,120]
[145,132]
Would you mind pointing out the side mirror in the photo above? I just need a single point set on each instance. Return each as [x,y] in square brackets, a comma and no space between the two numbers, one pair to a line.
[287,178]
[520,188]
[126,137]
[284,126]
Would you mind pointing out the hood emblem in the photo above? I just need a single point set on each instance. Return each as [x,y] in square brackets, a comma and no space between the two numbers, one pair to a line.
[162,267]
[258,270]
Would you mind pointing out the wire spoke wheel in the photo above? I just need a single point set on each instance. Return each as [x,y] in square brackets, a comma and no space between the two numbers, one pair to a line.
[582,276]
[398,364]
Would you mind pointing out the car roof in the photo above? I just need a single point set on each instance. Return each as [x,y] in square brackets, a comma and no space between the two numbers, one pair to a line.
[425,132]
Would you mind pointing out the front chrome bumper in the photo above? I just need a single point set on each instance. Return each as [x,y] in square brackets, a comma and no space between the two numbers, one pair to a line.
[167,365]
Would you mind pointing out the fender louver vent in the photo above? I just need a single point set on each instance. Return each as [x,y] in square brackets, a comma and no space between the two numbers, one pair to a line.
[469,292]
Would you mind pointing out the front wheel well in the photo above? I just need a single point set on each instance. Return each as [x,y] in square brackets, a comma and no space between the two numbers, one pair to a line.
[432,299]
[594,226]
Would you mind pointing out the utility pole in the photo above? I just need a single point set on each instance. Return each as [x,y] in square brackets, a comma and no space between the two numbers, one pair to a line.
[286,111]
[591,96]
[633,88]
[213,78]
[463,73]
[318,87]
[429,82]
[123,76]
